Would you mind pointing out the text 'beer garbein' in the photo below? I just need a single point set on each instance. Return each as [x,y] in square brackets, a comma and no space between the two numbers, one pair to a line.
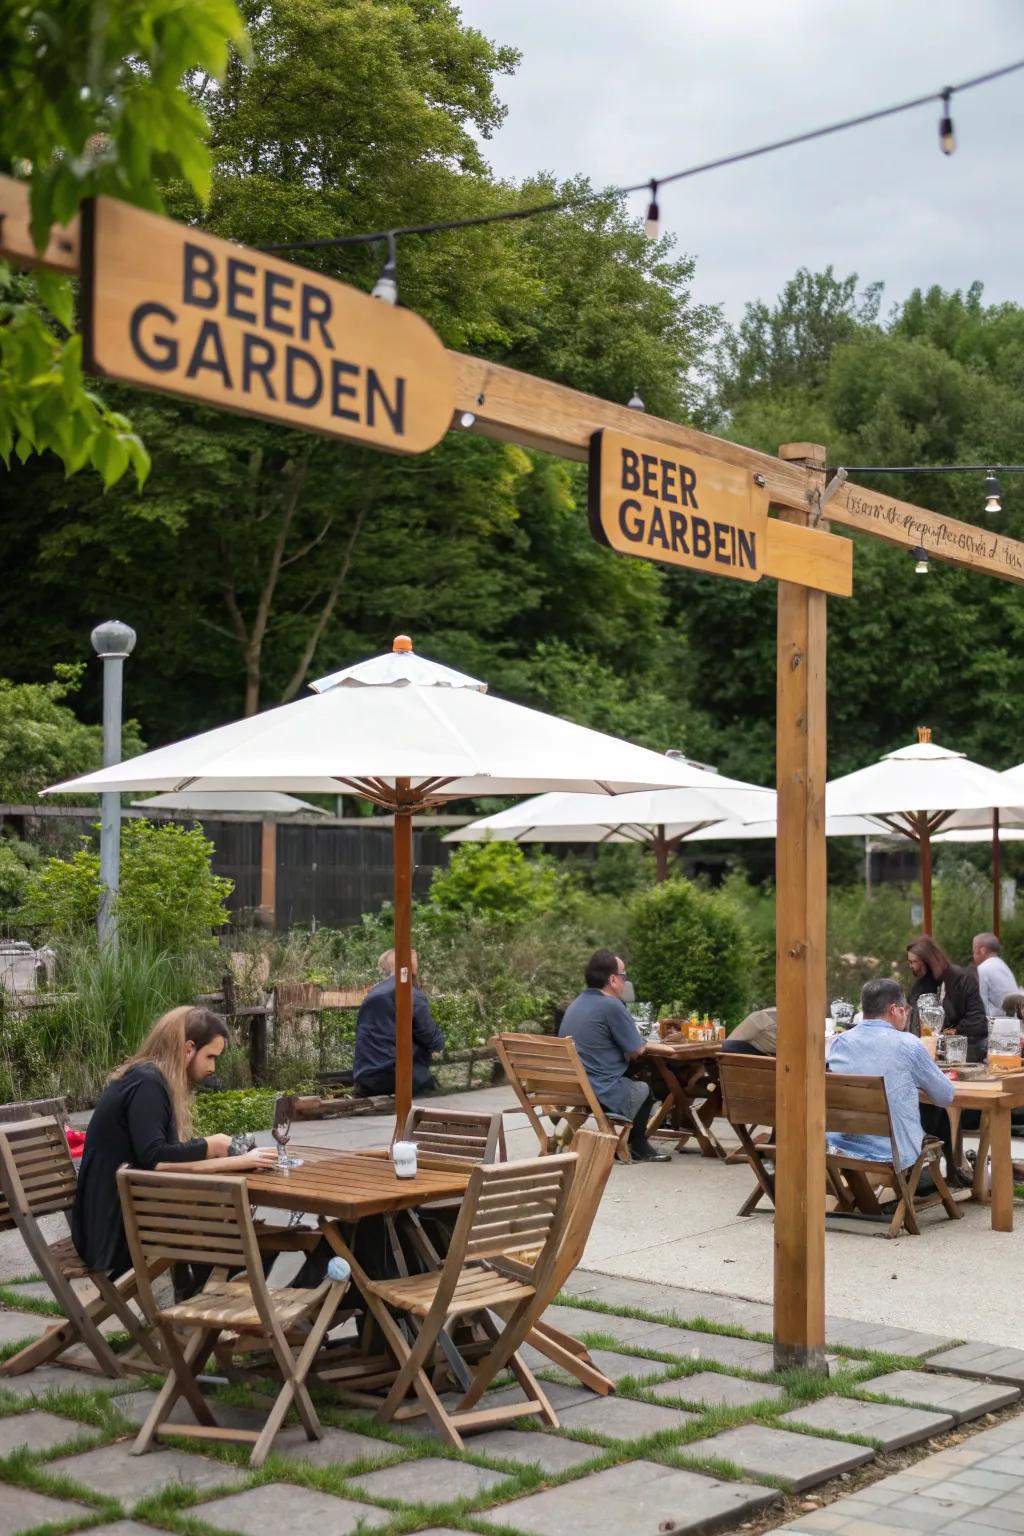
[679,508]
[191,314]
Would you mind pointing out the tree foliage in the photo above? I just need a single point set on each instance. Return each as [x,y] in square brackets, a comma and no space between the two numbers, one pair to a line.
[687,948]
[42,741]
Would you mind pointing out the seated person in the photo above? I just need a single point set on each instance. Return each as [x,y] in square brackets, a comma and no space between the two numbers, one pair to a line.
[756,1035]
[607,1040]
[374,1065]
[144,1118]
[995,979]
[957,990]
[880,1047]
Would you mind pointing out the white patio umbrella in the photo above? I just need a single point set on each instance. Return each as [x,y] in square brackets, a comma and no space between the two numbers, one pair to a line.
[915,791]
[405,733]
[264,803]
[740,831]
[661,817]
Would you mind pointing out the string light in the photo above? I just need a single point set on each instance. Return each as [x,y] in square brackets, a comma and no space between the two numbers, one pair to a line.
[386,286]
[653,216]
[921,559]
[947,138]
[993,494]
[635,403]
[560,205]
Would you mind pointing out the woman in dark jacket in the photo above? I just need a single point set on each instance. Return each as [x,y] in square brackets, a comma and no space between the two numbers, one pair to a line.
[956,987]
[144,1118]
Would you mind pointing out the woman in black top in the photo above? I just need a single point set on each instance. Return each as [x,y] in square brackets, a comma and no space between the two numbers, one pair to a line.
[956,988]
[144,1118]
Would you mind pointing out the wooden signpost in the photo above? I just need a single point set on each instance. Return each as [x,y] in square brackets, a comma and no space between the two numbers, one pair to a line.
[181,311]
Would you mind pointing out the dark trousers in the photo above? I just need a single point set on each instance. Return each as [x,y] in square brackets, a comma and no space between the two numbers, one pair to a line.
[936,1123]
[638,1135]
[383,1081]
[741,1048]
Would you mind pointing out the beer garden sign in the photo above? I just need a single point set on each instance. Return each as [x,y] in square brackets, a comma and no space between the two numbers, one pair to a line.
[177,310]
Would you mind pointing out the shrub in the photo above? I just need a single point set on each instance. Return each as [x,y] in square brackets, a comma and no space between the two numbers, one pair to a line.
[497,879]
[234,1111]
[688,945]
[169,895]
[16,859]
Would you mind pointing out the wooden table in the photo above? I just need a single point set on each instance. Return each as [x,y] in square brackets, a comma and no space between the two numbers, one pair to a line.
[689,1071]
[341,1187]
[996,1098]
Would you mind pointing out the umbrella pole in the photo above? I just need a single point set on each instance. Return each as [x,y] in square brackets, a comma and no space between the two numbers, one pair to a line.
[403,959]
[997,877]
[660,855]
[925,844]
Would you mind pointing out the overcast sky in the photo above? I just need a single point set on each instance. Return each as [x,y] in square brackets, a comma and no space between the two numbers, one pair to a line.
[625,91]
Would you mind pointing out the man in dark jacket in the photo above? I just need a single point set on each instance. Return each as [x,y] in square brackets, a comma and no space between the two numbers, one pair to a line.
[374,1066]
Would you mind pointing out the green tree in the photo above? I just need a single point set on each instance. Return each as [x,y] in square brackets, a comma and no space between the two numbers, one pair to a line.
[93,103]
[41,739]
[497,879]
[687,947]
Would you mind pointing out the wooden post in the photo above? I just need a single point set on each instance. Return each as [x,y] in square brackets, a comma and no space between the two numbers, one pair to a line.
[997,877]
[801,896]
[268,873]
[403,957]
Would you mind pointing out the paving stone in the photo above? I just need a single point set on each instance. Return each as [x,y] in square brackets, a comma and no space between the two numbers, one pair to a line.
[578,1320]
[691,1344]
[638,1496]
[560,1394]
[38,1431]
[337,1447]
[715,1390]
[288,1507]
[136,1405]
[431,1480]
[113,1470]
[58,1378]
[801,1459]
[965,1399]
[987,1360]
[15,1326]
[623,1418]
[21,1508]
[612,1363]
[121,1528]
[891,1427]
[531,1447]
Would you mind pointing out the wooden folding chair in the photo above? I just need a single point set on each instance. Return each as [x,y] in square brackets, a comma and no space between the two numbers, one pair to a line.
[549,1079]
[858,1106]
[202,1218]
[509,1208]
[37,1178]
[473,1136]
[748,1101]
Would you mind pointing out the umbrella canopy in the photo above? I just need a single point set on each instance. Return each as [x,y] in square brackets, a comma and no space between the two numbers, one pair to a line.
[835,826]
[980,835]
[915,791]
[661,817]
[264,803]
[405,733]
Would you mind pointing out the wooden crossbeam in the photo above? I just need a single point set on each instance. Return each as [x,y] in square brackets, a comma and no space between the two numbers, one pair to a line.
[903,523]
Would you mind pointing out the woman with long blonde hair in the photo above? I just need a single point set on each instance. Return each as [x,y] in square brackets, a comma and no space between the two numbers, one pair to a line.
[144,1118]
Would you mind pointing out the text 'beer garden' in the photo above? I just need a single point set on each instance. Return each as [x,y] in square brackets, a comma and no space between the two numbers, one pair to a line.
[179,310]
[677,507]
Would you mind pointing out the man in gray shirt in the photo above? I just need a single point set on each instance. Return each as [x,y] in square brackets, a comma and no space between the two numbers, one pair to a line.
[607,1040]
[995,979]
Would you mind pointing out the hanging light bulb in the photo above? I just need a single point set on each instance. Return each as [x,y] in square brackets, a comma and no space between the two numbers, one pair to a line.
[653,216]
[993,493]
[467,419]
[947,138]
[635,403]
[921,558]
[386,286]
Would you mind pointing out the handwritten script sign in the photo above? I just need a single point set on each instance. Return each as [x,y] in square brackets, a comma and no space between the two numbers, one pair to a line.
[677,507]
[900,522]
[184,312]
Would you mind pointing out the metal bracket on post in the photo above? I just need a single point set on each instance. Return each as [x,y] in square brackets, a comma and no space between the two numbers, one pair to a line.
[819,499]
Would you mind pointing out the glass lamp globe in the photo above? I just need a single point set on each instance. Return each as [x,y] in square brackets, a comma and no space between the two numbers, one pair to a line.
[113,639]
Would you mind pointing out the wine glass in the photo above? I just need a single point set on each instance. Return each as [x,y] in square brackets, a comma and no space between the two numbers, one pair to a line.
[281,1131]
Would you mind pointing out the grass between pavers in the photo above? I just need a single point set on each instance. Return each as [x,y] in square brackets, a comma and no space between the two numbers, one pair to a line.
[43,1306]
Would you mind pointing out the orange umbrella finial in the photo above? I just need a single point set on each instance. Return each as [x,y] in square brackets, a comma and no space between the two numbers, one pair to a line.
[924,732]
[401,643]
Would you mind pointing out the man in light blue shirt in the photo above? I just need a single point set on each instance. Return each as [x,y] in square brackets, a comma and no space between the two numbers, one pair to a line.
[879,1047]
[995,979]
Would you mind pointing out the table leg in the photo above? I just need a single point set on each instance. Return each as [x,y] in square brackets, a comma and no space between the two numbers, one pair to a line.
[1002,1170]
[691,1120]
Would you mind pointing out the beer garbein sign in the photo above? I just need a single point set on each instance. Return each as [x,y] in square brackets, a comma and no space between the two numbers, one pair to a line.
[178,310]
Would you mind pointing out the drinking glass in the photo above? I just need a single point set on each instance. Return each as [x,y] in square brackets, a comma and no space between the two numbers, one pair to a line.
[956,1050]
[842,1013]
[281,1131]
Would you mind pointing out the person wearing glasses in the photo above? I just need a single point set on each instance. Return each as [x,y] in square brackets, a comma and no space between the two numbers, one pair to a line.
[608,1040]
[879,1046]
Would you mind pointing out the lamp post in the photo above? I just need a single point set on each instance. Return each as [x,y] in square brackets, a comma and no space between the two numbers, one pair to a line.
[112,642]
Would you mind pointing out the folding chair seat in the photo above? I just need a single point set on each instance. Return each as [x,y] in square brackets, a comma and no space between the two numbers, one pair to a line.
[549,1079]
[509,1208]
[37,1178]
[205,1219]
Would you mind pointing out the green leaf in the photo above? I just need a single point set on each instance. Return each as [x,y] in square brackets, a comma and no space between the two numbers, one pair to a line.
[55,295]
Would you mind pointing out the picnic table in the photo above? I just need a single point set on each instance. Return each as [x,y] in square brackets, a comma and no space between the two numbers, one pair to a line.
[693,1097]
[996,1098]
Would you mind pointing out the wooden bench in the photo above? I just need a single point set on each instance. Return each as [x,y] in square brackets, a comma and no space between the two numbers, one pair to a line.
[748,1102]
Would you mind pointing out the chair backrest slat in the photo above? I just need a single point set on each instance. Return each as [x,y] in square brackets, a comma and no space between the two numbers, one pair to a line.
[546,1073]
[513,1206]
[185,1218]
[748,1088]
[856,1106]
[468,1135]
[37,1175]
